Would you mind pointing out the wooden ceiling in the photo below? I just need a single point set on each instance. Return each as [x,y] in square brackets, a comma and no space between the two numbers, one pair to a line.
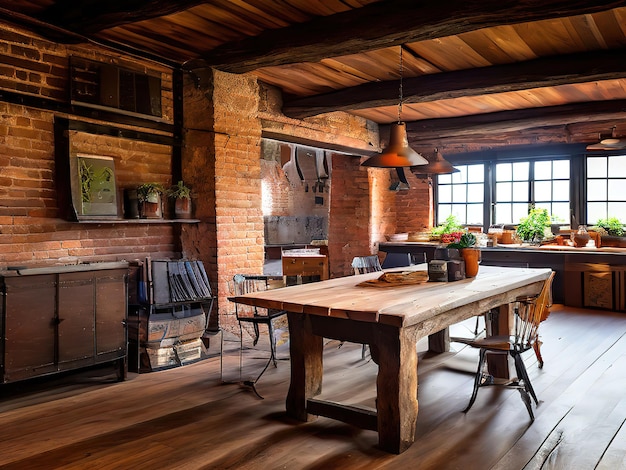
[470,68]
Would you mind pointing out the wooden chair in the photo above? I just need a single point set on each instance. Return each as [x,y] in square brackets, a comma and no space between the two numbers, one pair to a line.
[243,284]
[529,312]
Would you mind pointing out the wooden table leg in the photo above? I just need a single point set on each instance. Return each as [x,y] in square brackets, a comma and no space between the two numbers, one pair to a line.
[396,388]
[306,366]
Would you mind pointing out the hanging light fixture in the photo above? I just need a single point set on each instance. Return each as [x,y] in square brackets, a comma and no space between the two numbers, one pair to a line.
[397,154]
[439,166]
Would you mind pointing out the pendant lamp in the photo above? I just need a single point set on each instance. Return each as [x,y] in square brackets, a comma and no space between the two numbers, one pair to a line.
[439,166]
[397,154]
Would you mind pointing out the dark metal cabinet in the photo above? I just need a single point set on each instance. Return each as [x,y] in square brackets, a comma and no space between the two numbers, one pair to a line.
[57,319]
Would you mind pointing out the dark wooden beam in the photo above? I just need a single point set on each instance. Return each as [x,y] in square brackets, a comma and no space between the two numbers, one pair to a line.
[92,16]
[384,24]
[544,72]
[513,121]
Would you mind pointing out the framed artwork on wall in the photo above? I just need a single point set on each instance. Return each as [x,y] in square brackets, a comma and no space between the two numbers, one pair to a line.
[94,191]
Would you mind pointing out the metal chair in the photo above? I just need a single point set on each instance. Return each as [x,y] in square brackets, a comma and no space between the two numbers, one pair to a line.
[243,284]
[363,265]
[529,312]
[366,264]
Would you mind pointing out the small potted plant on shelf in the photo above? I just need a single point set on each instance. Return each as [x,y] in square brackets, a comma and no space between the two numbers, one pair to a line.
[181,194]
[466,244]
[149,195]
[532,228]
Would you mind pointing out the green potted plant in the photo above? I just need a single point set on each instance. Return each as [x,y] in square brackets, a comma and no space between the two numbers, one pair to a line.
[466,244]
[181,194]
[149,195]
[532,228]
[448,231]
[611,231]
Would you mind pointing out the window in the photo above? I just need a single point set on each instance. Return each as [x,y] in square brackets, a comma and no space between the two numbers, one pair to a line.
[606,180]
[502,191]
[462,194]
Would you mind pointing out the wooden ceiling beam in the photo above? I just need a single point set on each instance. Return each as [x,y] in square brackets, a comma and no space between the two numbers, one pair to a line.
[544,72]
[513,121]
[385,24]
[88,17]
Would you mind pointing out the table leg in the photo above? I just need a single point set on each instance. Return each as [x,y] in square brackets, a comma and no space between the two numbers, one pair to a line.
[395,353]
[306,366]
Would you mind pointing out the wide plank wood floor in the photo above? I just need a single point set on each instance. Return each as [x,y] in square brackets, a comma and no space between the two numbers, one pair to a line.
[185,418]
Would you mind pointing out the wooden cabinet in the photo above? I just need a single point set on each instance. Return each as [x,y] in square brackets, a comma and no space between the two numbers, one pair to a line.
[62,318]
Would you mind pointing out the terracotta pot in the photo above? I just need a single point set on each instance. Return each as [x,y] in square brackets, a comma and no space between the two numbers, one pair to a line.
[471,256]
[151,210]
[182,208]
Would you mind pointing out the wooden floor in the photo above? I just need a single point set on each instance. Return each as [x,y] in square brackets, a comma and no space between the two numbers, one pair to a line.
[184,418]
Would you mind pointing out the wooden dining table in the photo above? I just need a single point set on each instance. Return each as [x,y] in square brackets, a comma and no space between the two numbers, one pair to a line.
[390,319]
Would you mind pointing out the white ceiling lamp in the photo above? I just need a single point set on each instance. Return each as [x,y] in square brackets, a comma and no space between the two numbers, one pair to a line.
[609,142]
[397,154]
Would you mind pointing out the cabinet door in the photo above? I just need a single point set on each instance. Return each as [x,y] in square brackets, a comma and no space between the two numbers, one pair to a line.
[76,318]
[29,326]
[111,313]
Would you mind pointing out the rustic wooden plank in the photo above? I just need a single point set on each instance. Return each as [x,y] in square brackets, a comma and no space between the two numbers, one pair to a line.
[398,21]
[542,72]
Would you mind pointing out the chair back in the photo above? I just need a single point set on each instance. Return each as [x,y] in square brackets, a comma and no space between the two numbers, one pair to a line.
[366,264]
[247,283]
[530,312]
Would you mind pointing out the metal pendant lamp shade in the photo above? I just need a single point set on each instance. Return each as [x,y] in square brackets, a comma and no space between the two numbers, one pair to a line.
[440,166]
[398,153]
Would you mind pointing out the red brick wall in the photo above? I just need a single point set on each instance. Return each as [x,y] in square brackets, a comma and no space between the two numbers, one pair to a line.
[31,232]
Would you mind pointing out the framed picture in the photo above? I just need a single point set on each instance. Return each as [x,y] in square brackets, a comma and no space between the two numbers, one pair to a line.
[94,192]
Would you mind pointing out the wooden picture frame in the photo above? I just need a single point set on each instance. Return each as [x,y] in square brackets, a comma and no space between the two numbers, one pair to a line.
[94,189]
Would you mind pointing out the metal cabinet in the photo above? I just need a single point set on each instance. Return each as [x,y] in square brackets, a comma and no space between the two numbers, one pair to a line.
[62,318]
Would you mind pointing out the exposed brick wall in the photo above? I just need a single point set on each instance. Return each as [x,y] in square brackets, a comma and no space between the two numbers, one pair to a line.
[31,232]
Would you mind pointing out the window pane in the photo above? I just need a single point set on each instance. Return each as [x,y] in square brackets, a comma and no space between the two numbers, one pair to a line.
[459,211]
[444,179]
[617,209]
[475,214]
[560,169]
[543,170]
[503,192]
[617,166]
[519,211]
[504,172]
[444,194]
[596,190]
[520,191]
[543,190]
[616,190]
[520,171]
[461,176]
[560,211]
[596,167]
[560,191]
[459,193]
[443,211]
[595,212]
[503,214]
[475,192]
[475,173]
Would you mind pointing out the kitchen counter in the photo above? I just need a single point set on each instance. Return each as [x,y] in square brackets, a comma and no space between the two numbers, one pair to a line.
[580,272]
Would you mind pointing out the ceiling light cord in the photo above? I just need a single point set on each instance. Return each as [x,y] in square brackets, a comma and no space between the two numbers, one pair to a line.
[401,70]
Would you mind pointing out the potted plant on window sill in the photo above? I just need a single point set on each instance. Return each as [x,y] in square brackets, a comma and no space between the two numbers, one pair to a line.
[611,232]
[466,244]
[181,194]
[532,228]
[149,196]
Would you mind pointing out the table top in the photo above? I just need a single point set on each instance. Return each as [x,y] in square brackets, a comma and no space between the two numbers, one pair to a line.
[397,305]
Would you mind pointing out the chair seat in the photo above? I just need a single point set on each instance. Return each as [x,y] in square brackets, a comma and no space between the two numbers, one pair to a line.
[271,314]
